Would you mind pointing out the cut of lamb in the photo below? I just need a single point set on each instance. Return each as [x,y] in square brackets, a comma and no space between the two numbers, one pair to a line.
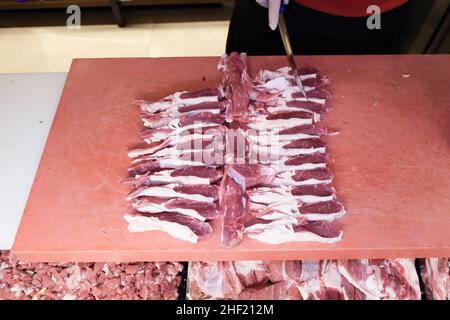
[249,151]
[394,279]
[20,280]
[176,225]
[435,274]
[196,209]
[234,208]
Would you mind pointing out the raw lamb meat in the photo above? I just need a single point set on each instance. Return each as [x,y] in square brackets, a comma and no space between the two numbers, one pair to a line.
[255,139]
[394,279]
[234,209]
[87,281]
[235,82]
[177,225]
[435,274]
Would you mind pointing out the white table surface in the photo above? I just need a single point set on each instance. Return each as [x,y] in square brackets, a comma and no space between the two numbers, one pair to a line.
[28,103]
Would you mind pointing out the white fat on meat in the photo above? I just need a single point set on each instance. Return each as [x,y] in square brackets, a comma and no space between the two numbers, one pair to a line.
[167,191]
[260,122]
[282,194]
[280,231]
[161,207]
[174,113]
[184,138]
[173,152]
[279,165]
[174,101]
[278,150]
[369,278]
[282,107]
[288,211]
[274,85]
[165,177]
[138,223]
[173,163]
[284,178]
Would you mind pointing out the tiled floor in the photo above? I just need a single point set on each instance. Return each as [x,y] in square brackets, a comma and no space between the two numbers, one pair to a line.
[150,33]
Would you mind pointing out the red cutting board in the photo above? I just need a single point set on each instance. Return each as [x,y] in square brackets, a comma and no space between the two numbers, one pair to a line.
[391,161]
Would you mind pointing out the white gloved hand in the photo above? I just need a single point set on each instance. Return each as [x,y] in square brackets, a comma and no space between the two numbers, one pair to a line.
[274,10]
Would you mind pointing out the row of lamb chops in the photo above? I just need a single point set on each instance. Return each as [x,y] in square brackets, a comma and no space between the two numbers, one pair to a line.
[248,153]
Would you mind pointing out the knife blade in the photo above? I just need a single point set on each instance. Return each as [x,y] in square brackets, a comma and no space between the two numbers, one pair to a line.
[289,53]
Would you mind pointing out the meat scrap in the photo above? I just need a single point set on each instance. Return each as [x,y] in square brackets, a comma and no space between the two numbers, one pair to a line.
[435,274]
[394,279]
[88,281]
[255,139]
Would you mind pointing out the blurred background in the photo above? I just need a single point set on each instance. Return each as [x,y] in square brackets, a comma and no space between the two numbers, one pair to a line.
[34,36]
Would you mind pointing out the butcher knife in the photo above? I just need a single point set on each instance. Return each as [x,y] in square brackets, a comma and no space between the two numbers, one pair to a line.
[288,48]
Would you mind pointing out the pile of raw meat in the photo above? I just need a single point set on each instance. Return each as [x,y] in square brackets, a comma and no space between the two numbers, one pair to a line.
[68,281]
[248,153]
[435,275]
[395,279]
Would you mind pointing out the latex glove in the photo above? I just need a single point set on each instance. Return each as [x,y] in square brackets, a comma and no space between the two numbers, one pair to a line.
[274,10]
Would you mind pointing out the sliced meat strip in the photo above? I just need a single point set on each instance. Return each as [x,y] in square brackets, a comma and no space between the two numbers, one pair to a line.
[328,210]
[150,149]
[261,123]
[327,207]
[185,142]
[287,178]
[202,176]
[234,68]
[267,138]
[305,71]
[216,105]
[176,225]
[269,195]
[199,93]
[286,211]
[161,119]
[150,135]
[289,115]
[305,129]
[291,194]
[305,144]
[276,150]
[250,175]
[173,101]
[322,190]
[309,158]
[321,228]
[319,174]
[211,173]
[319,81]
[300,162]
[209,191]
[144,166]
[195,209]
[315,94]
[204,193]
[282,231]
[234,208]
[318,106]
[204,118]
